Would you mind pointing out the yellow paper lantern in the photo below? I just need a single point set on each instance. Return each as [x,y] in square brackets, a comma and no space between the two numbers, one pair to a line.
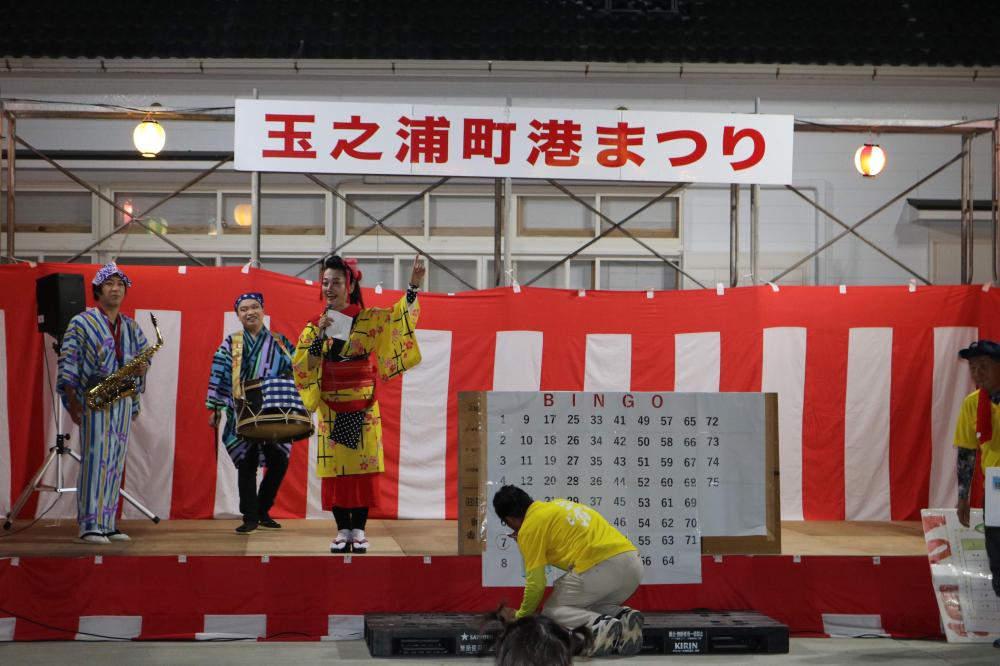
[243,215]
[149,137]
[869,160]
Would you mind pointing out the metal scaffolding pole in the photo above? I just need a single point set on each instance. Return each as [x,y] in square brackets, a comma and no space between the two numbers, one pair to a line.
[255,212]
[995,164]
[379,223]
[135,218]
[510,222]
[867,217]
[857,234]
[619,225]
[754,219]
[754,233]
[255,219]
[966,204]
[734,234]
[10,194]
[498,219]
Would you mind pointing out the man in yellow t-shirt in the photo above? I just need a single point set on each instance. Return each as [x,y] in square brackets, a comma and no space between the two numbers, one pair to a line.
[602,568]
[973,431]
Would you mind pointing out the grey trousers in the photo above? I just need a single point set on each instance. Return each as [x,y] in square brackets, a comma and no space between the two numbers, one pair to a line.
[578,599]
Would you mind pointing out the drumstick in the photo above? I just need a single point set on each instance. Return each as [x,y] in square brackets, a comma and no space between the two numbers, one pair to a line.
[215,435]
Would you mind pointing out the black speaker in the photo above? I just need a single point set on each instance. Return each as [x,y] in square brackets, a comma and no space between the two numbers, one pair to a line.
[60,296]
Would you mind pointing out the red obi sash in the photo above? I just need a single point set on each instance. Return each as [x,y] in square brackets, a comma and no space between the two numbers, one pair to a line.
[342,375]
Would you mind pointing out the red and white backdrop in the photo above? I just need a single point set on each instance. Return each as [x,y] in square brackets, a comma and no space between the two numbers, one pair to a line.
[868,379]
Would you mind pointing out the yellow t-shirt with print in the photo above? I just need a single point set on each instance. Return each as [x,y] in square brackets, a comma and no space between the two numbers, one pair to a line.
[567,535]
[965,431]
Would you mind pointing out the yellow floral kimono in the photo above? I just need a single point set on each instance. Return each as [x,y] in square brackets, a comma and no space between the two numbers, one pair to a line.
[390,335]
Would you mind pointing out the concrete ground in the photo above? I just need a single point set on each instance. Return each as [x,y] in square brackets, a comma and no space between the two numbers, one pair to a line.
[804,652]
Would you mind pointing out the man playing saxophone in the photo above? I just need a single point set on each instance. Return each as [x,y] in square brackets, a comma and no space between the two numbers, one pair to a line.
[98,342]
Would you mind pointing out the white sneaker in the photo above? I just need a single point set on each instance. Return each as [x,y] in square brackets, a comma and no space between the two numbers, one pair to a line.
[342,542]
[360,541]
[117,536]
[631,641]
[607,636]
[94,538]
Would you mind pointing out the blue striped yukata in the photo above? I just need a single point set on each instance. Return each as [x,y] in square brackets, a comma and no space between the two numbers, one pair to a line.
[262,357]
[86,357]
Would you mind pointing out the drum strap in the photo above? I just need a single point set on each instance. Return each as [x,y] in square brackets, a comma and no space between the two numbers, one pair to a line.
[277,338]
[237,352]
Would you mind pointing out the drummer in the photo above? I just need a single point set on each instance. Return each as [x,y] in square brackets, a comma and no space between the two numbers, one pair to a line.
[254,352]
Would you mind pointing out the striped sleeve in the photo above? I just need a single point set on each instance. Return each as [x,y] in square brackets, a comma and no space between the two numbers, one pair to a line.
[220,381]
[72,377]
[307,380]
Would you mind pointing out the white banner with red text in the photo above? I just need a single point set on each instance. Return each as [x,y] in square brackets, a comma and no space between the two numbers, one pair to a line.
[507,142]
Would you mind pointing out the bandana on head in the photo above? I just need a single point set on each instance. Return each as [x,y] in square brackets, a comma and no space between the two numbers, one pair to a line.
[257,296]
[107,270]
[355,273]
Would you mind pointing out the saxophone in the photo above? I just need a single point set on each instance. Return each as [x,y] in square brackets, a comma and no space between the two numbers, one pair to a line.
[122,383]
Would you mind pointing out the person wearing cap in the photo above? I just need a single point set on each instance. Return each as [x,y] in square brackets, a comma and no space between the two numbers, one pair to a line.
[336,377]
[252,353]
[978,428]
[97,342]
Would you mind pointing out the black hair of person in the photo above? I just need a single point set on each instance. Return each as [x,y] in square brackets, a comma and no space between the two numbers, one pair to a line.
[511,501]
[537,640]
[336,262]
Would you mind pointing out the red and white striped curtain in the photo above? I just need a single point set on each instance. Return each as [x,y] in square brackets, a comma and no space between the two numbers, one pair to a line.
[868,378]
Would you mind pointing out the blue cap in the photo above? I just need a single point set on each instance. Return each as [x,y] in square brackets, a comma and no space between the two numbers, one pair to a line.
[981,348]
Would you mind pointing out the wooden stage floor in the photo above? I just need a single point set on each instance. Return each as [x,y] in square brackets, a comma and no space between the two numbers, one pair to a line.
[56,538]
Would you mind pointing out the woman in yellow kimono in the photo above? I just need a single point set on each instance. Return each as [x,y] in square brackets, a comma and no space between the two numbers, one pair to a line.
[336,378]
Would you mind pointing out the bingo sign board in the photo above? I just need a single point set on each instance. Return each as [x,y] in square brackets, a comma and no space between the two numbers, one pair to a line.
[666,469]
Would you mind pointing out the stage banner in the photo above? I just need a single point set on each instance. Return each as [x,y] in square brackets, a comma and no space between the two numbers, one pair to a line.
[868,379]
[512,142]
[960,572]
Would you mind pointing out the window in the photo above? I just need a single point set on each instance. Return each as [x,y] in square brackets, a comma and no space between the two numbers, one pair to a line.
[554,216]
[187,213]
[173,260]
[292,214]
[64,258]
[637,275]
[48,212]
[525,270]
[375,270]
[440,281]
[581,274]
[290,266]
[408,221]
[658,220]
[462,215]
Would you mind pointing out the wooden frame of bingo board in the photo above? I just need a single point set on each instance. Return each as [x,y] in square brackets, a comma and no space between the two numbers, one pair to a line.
[473,503]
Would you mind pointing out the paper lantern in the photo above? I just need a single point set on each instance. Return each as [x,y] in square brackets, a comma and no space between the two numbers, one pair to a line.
[149,137]
[869,160]
[243,215]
